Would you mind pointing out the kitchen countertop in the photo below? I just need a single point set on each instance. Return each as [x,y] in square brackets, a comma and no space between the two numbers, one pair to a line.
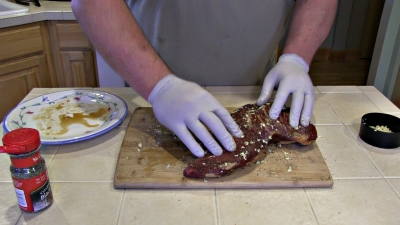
[49,10]
[366,179]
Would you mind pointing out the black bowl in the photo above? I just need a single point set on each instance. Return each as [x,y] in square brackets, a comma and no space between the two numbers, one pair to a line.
[379,138]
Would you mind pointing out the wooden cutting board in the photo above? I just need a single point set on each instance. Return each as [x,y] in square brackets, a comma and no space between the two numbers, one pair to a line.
[151,156]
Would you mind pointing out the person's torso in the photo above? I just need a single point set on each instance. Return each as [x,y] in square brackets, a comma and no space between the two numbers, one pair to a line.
[214,42]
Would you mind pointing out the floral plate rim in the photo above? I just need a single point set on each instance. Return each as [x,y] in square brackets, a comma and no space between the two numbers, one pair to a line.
[114,120]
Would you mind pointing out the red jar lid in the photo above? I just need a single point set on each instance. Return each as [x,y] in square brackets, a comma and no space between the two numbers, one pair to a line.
[26,137]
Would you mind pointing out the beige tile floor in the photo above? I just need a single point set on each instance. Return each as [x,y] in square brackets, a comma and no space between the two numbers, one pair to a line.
[366,179]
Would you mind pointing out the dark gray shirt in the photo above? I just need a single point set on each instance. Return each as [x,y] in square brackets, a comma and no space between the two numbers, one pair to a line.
[214,42]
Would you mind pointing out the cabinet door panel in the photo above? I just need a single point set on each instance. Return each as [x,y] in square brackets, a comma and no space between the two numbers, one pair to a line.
[20,42]
[71,35]
[17,79]
[74,57]
[78,68]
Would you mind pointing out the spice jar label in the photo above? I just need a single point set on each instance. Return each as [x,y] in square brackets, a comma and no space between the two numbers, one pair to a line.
[42,197]
[33,194]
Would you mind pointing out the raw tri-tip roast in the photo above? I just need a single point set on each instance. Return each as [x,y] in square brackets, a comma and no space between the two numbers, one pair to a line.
[259,131]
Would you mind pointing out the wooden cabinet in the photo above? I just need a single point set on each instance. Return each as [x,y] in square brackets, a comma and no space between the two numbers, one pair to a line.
[73,55]
[25,63]
[78,68]
[43,54]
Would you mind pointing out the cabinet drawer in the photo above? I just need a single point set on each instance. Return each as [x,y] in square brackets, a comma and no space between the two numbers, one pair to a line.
[71,35]
[19,42]
[18,78]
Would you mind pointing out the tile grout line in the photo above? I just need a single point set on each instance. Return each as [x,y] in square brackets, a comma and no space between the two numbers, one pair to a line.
[365,93]
[52,159]
[393,188]
[373,102]
[81,181]
[328,124]
[365,152]
[338,91]
[392,177]
[359,178]
[326,100]
[216,206]
[310,204]
[19,218]
[120,208]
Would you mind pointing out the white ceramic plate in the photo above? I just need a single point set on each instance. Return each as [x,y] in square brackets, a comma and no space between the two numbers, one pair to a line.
[68,116]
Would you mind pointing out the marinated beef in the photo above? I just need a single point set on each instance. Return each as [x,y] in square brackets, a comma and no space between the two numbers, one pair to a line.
[259,131]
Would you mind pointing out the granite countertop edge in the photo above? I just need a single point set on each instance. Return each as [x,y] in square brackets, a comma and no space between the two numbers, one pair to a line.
[49,10]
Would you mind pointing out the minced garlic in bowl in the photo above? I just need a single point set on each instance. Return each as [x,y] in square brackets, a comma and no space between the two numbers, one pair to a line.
[381,128]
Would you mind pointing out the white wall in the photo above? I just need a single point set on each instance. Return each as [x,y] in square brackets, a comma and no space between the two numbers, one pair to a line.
[107,76]
[386,57]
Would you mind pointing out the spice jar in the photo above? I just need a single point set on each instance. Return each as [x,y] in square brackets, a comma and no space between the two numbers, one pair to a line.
[28,169]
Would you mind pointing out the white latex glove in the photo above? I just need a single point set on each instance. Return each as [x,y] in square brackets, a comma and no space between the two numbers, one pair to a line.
[290,75]
[184,106]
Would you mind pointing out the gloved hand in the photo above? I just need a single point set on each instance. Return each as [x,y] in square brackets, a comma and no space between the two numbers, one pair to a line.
[290,75]
[184,106]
